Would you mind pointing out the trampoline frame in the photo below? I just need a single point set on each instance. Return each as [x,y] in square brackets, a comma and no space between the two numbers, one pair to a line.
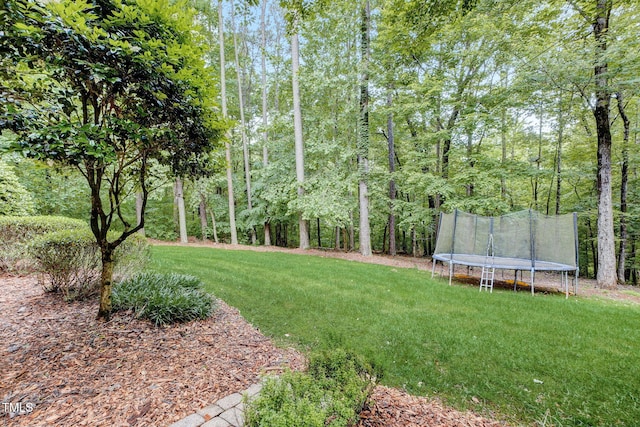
[506,263]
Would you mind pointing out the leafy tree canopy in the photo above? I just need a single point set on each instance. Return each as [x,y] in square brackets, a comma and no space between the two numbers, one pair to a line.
[109,86]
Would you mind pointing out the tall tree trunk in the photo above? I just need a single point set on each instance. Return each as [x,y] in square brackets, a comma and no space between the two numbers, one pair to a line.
[503,140]
[363,146]
[265,135]
[392,182]
[470,185]
[202,211]
[559,157]
[606,238]
[243,123]
[182,217]
[624,179]
[223,97]
[299,143]
[538,161]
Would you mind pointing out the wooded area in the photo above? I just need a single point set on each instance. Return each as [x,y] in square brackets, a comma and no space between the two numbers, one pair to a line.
[352,125]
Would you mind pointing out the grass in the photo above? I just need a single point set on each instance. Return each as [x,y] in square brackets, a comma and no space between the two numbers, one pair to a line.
[539,360]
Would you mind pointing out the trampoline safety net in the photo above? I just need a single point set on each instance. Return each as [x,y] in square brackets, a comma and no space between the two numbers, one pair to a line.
[525,240]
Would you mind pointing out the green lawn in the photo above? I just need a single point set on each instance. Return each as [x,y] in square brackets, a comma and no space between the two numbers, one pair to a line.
[539,360]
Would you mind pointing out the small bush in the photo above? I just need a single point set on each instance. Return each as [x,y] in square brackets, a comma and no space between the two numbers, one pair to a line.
[163,298]
[331,393]
[68,262]
[16,233]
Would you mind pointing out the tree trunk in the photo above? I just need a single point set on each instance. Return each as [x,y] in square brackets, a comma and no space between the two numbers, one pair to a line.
[559,157]
[265,135]
[223,97]
[363,149]
[606,238]
[267,233]
[182,218]
[243,127]
[106,285]
[623,190]
[392,182]
[470,185]
[213,226]
[202,211]
[299,144]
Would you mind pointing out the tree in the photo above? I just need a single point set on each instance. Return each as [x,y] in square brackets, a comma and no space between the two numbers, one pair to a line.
[598,18]
[297,122]
[125,87]
[363,140]
[223,97]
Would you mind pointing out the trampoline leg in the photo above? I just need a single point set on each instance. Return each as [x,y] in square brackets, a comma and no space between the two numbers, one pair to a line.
[433,269]
[450,272]
[533,275]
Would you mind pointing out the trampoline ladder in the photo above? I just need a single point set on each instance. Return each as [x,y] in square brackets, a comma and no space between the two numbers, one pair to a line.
[486,278]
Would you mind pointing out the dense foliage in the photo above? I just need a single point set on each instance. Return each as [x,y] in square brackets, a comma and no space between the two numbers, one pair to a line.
[331,392]
[17,233]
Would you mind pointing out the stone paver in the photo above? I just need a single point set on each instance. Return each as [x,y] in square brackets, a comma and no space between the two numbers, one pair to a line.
[211,411]
[193,420]
[229,401]
[217,422]
[226,412]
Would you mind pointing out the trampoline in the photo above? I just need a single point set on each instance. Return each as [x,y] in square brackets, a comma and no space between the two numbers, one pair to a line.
[520,241]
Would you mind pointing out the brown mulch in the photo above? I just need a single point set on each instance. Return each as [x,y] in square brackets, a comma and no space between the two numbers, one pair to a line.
[393,407]
[78,371]
[75,370]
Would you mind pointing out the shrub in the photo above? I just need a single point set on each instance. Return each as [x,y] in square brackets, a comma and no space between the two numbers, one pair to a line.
[69,261]
[331,393]
[163,298]
[16,233]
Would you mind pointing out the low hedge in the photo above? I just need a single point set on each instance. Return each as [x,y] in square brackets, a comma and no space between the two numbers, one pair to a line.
[69,261]
[163,298]
[16,232]
[332,392]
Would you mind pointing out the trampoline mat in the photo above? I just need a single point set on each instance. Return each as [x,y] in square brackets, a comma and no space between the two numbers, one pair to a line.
[504,263]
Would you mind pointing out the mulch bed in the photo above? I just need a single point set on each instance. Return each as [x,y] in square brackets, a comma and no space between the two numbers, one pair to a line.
[64,368]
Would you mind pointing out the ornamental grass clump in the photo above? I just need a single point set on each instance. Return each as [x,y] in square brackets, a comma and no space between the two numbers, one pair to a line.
[332,392]
[163,298]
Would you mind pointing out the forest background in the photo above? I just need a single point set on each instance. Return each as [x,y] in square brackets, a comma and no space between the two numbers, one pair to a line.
[354,124]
